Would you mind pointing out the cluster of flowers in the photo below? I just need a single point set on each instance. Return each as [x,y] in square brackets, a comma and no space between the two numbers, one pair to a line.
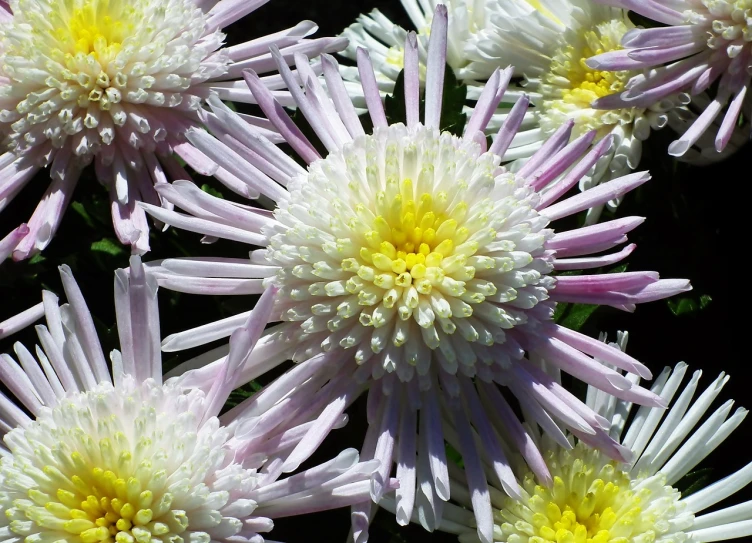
[393,259]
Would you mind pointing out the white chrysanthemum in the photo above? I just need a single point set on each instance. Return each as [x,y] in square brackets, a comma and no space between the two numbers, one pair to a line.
[591,498]
[128,458]
[117,82]
[98,67]
[409,241]
[594,499]
[411,265]
[133,462]
[547,43]
[695,45]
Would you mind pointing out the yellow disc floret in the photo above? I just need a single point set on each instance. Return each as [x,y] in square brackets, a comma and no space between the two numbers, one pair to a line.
[592,500]
[570,86]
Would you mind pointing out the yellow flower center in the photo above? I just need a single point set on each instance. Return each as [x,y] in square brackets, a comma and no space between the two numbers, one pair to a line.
[98,505]
[96,27]
[410,239]
[570,86]
[592,500]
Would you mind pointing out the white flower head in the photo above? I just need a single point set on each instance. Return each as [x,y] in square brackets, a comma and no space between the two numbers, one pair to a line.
[412,265]
[596,499]
[547,42]
[128,458]
[695,45]
[118,83]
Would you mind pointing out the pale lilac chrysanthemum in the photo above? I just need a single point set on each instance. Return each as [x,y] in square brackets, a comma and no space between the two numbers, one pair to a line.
[595,498]
[89,455]
[547,42]
[700,43]
[118,83]
[410,264]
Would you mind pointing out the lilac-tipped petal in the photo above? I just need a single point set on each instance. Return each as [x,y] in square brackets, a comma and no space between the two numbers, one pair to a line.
[339,96]
[596,196]
[85,330]
[587,263]
[561,161]
[412,83]
[581,240]
[665,288]
[601,350]
[242,342]
[661,36]
[698,128]
[727,126]
[281,120]
[371,89]
[436,66]
[553,144]
[476,478]
[9,242]
[509,129]
[228,11]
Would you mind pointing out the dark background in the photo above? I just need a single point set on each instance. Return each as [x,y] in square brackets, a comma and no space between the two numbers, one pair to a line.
[687,234]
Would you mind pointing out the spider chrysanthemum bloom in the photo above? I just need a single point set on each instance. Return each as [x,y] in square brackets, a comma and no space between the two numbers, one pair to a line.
[411,264]
[547,42]
[596,499]
[699,43]
[125,457]
[117,83]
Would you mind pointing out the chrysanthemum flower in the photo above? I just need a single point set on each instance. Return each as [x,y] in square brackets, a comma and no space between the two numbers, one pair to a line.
[599,500]
[89,456]
[411,264]
[118,83]
[700,42]
[547,42]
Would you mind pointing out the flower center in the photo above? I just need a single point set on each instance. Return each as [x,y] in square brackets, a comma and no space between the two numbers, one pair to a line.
[570,86]
[592,501]
[127,464]
[98,27]
[99,68]
[411,239]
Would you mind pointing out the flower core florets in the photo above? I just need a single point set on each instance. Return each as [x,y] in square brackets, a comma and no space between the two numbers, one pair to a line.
[594,500]
[409,239]
[130,463]
[570,86]
[731,22]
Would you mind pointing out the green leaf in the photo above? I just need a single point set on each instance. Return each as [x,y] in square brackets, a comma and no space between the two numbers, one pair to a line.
[686,305]
[694,481]
[37,259]
[240,394]
[212,191]
[577,316]
[108,246]
[79,208]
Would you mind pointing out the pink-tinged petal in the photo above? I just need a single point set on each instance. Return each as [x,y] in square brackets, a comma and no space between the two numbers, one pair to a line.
[435,67]
[615,61]
[137,315]
[281,119]
[203,226]
[558,189]
[596,196]
[594,238]
[552,145]
[665,288]
[661,36]
[587,263]
[371,89]
[412,81]
[242,342]
[84,326]
[489,100]
[561,161]
[283,38]
[510,127]
[729,121]
[9,242]
[339,96]
[226,12]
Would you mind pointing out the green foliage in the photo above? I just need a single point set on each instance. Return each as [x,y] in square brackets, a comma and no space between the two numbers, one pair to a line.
[694,481]
[108,246]
[688,305]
